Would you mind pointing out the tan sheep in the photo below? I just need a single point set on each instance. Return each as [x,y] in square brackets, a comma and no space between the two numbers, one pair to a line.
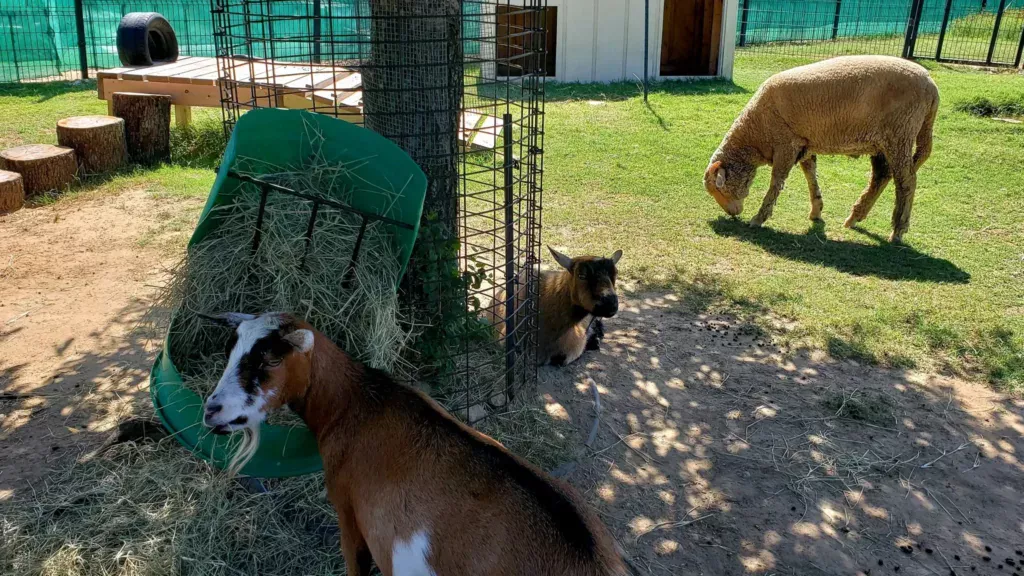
[852,105]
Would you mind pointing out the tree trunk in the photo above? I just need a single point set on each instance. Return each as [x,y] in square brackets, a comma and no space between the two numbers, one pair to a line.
[98,142]
[43,167]
[12,192]
[412,90]
[147,125]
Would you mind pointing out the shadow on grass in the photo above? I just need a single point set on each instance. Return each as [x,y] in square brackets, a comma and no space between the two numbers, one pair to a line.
[618,91]
[44,91]
[881,260]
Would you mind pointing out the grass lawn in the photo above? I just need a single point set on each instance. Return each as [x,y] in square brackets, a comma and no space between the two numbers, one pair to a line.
[620,174]
[624,175]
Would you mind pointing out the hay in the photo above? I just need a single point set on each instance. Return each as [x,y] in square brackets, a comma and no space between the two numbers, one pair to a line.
[156,509]
[357,310]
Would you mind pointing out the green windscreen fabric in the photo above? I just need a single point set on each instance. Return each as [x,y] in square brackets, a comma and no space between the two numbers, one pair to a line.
[763,21]
[39,39]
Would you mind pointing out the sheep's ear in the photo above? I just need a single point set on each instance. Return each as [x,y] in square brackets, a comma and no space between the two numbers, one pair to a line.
[616,256]
[301,339]
[720,179]
[229,319]
[563,260]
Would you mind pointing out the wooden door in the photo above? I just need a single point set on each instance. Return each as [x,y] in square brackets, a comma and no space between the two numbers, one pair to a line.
[521,49]
[690,37]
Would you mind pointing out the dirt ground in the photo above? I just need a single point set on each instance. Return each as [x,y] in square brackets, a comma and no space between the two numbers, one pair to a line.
[75,280]
[715,453]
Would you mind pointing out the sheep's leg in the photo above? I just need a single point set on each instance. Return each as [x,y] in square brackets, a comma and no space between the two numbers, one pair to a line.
[906,185]
[880,176]
[810,168]
[780,171]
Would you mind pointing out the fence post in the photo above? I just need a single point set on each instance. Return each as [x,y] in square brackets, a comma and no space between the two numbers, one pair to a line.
[14,49]
[942,31]
[316,31]
[1020,51]
[83,58]
[995,31]
[511,290]
[743,23]
[910,40]
[835,21]
[647,43]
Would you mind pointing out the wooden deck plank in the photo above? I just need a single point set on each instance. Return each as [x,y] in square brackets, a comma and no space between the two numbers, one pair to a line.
[203,72]
[141,72]
[163,72]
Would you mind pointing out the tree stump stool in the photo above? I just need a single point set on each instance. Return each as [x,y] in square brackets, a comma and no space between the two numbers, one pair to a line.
[147,125]
[12,192]
[98,142]
[43,167]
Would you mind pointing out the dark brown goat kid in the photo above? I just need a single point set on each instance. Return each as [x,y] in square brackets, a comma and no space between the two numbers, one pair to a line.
[416,491]
[572,303]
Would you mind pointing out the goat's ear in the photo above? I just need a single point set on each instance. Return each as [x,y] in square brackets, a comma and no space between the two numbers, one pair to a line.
[229,319]
[563,260]
[301,339]
[616,256]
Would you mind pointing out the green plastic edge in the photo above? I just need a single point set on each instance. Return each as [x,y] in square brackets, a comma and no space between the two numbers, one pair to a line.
[284,450]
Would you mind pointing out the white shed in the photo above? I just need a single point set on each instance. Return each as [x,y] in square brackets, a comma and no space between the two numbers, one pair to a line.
[603,40]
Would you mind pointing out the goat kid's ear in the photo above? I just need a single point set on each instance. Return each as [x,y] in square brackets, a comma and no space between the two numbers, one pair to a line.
[229,319]
[301,339]
[563,260]
[616,256]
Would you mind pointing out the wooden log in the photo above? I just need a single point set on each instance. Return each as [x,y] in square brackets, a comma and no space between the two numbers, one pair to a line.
[12,192]
[98,142]
[147,125]
[43,167]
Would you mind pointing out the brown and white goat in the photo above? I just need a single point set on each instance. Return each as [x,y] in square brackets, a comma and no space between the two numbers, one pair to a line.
[416,491]
[571,305]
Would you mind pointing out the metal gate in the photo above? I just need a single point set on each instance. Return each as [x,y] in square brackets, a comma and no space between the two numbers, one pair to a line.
[984,32]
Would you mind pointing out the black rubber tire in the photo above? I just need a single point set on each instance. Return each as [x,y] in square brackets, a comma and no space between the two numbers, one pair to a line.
[146,38]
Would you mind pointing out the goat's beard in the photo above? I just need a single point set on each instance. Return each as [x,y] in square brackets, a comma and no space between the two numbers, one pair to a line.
[245,451]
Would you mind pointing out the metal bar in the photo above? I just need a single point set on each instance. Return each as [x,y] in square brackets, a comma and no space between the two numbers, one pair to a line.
[743,22]
[1020,50]
[910,39]
[316,31]
[510,279]
[347,281]
[258,234]
[309,232]
[942,31]
[835,21]
[311,198]
[995,31]
[647,42]
[83,58]
[14,48]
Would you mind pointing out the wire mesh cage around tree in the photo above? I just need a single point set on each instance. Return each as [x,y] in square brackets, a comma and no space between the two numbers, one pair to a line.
[458,85]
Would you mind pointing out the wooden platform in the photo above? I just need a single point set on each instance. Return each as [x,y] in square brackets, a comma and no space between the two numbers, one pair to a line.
[192,81]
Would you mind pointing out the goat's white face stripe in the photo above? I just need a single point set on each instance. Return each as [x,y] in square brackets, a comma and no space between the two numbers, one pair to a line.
[230,393]
[409,557]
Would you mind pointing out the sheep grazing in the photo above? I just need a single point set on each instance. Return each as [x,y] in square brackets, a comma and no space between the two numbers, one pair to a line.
[852,105]
[416,491]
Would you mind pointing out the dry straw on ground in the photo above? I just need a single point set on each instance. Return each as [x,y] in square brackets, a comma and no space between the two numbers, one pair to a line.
[156,509]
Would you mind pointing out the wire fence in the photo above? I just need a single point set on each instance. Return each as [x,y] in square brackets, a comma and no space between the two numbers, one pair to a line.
[989,32]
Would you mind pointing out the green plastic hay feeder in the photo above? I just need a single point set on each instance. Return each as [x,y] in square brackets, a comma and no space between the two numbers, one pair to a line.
[281,137]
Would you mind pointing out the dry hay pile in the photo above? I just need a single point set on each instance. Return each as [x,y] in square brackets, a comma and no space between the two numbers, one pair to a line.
[157,509]
[357,309]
